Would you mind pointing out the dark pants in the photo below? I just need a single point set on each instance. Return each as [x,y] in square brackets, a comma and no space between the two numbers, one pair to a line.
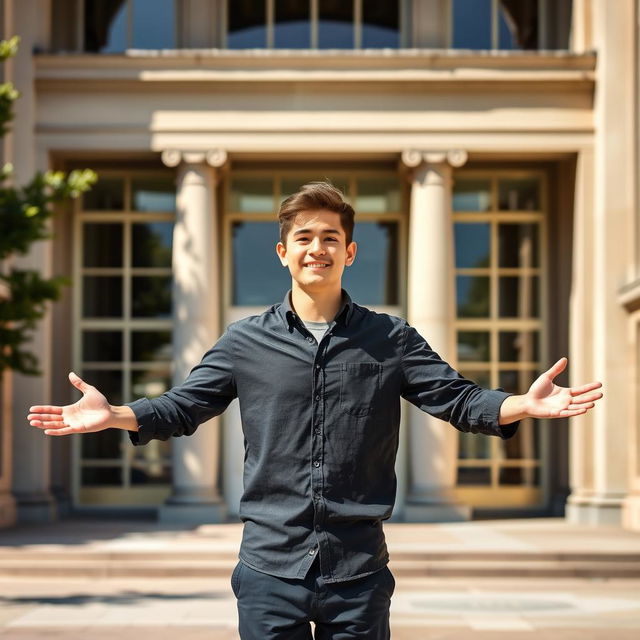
[271,608]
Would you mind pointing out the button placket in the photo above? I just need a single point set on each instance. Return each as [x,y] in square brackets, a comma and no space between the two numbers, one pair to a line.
[316,446]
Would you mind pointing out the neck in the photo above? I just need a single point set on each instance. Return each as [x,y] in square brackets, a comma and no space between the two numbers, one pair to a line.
[316,306]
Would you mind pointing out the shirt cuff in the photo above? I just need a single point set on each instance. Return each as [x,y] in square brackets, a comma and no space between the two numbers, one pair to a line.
[492,414]
[145,416]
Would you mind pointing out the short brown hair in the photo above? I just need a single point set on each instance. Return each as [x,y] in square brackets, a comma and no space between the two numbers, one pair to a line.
[314,196]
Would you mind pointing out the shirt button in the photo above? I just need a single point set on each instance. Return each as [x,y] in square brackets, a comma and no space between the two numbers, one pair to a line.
[317,367]
[317,398]
[312,552]
[309,339]
[316,463]
[317,527]
[316,431]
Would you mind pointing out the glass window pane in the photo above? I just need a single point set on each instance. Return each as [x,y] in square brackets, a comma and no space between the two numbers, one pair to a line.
[335,24]
[472,296]
[101,476]
[474,476]
[518,25]
[102,245]
[149,383]
[380,24]
[471,24]
[518,297]
[519,346]
[473,346]
[153,194]
[151,296]
[151,244]
[373,277]
[514,381]
[107,194]
[518,245]
[378,195]
[154,24]
[156,452]
[289,186]
[260,280]
[252,195]
[519,195]
[292,25]
[473,446]
[247,20]
[102,346]
[150,475]
[523,477]
[103,445]
[471,195]
[105,26]
[147,346]
[473,245]
[102,296]
[525,444]
[109,383]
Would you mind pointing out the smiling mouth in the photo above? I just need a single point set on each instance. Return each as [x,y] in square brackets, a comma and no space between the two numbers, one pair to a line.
[316,265]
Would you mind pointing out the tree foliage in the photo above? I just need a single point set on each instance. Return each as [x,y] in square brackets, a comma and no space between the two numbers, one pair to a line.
[24,219]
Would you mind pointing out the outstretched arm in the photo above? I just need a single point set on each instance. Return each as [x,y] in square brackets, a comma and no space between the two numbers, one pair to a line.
[91,413]
[547,400]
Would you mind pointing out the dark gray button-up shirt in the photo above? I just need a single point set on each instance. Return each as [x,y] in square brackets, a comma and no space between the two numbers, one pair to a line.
[321,426]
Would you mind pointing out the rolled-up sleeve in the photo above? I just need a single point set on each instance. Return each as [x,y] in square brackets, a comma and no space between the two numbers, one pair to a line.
[207,392]
[433,386]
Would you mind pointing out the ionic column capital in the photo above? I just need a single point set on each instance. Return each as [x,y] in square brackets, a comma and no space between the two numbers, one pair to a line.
[216,158]
[413,158]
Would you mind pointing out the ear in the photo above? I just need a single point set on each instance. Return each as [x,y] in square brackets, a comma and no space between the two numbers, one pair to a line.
[281,250]
[352,249]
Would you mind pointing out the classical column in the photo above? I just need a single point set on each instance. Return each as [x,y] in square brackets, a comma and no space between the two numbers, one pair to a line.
[196,326]
[431,310]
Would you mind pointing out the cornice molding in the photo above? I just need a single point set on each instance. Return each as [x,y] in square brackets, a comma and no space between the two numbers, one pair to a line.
[216,158]
[413,158]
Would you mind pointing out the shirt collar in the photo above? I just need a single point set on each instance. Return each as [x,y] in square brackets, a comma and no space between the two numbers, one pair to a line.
[343,316]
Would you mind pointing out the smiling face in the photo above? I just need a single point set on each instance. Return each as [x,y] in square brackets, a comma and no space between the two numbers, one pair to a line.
[316,251]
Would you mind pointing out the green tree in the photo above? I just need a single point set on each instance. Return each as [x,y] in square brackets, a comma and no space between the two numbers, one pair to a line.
[24,214]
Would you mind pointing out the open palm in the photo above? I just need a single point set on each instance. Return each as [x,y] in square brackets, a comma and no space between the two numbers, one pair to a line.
[91,413]
[548,400]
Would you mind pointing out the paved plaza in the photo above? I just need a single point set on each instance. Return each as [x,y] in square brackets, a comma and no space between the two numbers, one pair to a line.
[92,607]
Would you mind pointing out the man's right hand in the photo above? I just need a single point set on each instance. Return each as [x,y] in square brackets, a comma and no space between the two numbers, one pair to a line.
[91,413]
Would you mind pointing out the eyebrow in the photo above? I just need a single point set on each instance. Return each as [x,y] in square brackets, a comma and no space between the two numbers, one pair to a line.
[301,231]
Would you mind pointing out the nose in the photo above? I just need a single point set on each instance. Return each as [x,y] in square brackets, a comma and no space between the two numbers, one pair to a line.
[316,247]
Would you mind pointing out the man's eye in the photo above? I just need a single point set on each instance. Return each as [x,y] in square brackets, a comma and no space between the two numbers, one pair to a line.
[332,239]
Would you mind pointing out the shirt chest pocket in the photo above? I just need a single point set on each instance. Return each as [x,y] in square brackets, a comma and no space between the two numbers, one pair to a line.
[359,387]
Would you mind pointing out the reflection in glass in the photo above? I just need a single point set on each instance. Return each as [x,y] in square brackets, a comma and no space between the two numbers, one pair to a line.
[520,476]
[518,297]
[101,476]
[380,24]
[473,346]
[472,244]
[102,296]
[473,446]
[151,296]
[102,245]
[518,245]
[335,24]
[151,244]
[247,24]
[519,346]
[148,346]
[472,296]
[519,195]
[471,195]
[154,24]
[102,346]
[150,383]
[103,445]
[518,24]
[471,24]
[474,476]
[258,277]
[105,26]
[525,445]
[251,195]
[378,195]
[107,194]
[373,277]
[292,25]
[153,194]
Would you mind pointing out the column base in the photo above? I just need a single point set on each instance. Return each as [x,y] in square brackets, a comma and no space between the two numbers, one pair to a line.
[417,510]
[7,510]
[35,508]
[631,513]
[595,510]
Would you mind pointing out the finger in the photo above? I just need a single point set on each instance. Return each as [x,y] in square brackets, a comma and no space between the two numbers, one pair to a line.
[45,409]
[53,417]
[78,382]
[65,431]
[575,391]
[557,368]
[48,424]
[589,397]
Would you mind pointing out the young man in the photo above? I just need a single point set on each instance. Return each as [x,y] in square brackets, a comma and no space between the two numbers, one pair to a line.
[319,379]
